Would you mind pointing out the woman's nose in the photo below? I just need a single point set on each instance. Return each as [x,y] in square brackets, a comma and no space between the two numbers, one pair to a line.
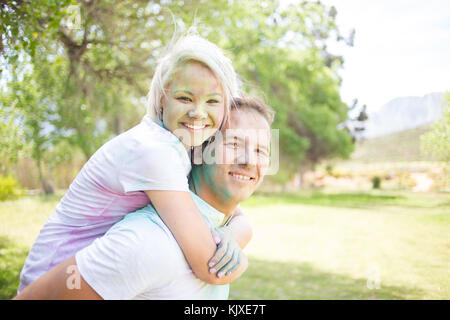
[197,113]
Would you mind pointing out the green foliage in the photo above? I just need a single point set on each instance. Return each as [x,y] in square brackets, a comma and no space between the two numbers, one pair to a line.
[9,188]
[25,24]
[12,140]
[12,258]
[376,182]
[30,95]
[436,142]
[281,54]
[83,75]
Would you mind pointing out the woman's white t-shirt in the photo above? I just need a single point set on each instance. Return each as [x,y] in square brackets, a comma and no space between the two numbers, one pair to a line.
[109,186]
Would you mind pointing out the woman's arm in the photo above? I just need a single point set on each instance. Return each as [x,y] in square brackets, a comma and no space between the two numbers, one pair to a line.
[62,282]
[179,212]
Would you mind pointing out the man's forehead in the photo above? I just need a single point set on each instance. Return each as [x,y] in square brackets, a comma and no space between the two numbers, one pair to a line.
[249,126]
[246,119]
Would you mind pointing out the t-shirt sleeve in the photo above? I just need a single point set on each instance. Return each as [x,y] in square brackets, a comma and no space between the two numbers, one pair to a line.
[128,260]
[156,167]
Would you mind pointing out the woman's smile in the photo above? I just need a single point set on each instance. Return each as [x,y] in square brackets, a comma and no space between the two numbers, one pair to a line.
[194,126]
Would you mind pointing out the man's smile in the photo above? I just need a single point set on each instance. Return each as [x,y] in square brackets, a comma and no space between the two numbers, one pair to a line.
[241,177]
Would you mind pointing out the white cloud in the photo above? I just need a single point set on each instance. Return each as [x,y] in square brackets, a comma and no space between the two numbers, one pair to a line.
[402,48]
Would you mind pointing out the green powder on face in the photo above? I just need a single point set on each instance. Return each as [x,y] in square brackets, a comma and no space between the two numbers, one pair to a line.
[208,173]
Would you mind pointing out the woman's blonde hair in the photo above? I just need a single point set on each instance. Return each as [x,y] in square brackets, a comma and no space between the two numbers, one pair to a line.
[192,48]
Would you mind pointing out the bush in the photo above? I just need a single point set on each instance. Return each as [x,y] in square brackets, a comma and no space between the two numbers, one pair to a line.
[376,182]
[10,189]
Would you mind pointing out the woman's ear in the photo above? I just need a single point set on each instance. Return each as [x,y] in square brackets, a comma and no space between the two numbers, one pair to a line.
[162,102]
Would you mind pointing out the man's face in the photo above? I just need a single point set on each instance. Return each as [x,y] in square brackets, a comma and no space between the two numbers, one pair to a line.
[241,157]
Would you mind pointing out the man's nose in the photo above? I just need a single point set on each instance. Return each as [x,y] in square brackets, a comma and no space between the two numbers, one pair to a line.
[246,157]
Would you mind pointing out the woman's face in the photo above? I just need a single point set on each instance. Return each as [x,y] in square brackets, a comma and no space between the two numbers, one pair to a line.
[194,106]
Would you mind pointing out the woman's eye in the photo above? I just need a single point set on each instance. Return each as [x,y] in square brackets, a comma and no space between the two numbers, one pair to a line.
[233,144]
[213,101]
[186,99]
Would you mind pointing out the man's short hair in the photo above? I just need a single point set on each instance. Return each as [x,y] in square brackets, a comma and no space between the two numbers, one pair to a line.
[248,102]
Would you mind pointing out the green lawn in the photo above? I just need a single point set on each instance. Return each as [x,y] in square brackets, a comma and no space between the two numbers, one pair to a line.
[307,245]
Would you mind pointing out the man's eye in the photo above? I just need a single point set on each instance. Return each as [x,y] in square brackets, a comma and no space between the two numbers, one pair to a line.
[261,152]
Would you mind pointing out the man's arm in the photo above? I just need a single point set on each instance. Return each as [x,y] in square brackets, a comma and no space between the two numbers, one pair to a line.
[62,282]
[240,227]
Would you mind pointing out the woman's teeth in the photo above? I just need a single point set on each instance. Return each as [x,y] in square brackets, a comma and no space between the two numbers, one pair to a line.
[194,127]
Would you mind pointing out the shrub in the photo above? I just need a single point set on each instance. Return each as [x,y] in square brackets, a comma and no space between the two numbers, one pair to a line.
[10,189]
[376,182]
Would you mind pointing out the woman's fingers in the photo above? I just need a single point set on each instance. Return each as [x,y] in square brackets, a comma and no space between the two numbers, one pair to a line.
[219,239]
[227,257]
[216,235]
[221,257]
[238,262]
[232,265]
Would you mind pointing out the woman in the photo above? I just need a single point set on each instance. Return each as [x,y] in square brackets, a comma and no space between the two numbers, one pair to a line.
[190,97]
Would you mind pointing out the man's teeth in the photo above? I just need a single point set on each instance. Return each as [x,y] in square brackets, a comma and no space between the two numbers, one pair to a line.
[241,177]
[192,126]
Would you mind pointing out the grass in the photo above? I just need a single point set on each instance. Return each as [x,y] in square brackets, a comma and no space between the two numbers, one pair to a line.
[306,245]
[350,200]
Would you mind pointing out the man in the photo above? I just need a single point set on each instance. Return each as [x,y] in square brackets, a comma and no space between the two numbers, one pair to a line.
[138,258]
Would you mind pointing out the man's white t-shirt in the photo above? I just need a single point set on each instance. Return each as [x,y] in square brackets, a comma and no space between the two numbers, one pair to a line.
[109,186]
[138,258]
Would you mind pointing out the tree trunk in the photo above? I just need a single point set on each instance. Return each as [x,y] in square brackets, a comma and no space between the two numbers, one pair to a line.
[47,186]
[297,180]
[117,125]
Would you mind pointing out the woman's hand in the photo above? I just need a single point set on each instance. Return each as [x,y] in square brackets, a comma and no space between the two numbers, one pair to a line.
[227,257]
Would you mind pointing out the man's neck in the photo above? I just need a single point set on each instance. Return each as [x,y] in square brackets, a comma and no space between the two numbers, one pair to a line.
[213,198]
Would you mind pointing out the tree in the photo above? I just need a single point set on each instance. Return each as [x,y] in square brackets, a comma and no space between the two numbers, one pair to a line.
[86,66]
[283,53]
[356,121]
[30,95]
[12,140]
[436,142]
[25,23]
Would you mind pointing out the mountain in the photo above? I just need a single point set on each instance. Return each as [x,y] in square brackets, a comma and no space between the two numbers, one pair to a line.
[404,113]
[399,146]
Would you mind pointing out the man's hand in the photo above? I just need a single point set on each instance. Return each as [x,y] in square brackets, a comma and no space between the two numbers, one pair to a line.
[227,257]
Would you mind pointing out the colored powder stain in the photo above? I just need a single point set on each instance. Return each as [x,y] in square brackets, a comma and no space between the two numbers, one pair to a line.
[209,172]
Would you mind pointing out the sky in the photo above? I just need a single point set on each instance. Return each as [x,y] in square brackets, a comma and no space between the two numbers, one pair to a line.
[401,48]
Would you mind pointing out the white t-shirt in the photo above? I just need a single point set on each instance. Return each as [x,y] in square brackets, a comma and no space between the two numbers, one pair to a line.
[138,258]
[110,185]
